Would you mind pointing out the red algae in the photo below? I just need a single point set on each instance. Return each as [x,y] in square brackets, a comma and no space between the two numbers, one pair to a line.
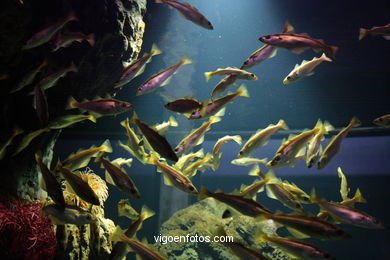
[24,232]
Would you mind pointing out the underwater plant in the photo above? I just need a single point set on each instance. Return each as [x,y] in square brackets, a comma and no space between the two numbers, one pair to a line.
[24,232]
[98,185]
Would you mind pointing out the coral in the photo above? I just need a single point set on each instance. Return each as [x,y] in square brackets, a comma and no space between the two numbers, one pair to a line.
[24,232]
[96,183]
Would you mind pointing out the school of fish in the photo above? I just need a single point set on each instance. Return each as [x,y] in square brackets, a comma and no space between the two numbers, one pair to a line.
[179,164]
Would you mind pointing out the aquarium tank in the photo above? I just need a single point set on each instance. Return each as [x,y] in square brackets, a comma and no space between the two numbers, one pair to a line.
[221,129]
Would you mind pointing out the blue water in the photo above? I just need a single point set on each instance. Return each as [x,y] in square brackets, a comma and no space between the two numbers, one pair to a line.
[362,159]
[355,84]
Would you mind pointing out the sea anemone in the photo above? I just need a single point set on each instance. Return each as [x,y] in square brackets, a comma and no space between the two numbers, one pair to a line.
[24,232]
[98,185]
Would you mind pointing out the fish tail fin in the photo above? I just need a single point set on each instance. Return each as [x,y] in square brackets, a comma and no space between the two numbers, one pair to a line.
[134,118]
[283,124]
[355,122]
[72,103]
[106,145]
[185,61]
[243,91]
[155,50]
[288,28]
[333,50]
[146,213]
[90,39]
[313,196]
[208,75]
[326,127]
[318,124]
[159,1]
[172,121]
[73,67]
[362,33]
[204,193]
[359,197]
[325,58]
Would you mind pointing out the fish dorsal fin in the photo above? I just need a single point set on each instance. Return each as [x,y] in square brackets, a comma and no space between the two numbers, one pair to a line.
[255,171]
[304,34]
[296,66]
[305,61]
[288,28]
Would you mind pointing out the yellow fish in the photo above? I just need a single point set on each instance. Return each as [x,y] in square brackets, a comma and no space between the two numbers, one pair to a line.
[333,146]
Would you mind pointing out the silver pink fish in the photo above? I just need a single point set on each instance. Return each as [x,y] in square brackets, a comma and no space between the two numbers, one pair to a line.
[47,34]
[160,79]
[189,12]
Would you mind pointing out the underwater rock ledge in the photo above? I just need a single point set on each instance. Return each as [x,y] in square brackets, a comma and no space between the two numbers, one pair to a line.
[118,29]
[206,218]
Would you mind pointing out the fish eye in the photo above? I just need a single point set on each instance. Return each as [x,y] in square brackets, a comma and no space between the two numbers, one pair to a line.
[306,199]
[267,37]
[288,77]
[191,188]
[252,75]
[277,158]
[176,150]
[240,152]
[280,38]
[380,119]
